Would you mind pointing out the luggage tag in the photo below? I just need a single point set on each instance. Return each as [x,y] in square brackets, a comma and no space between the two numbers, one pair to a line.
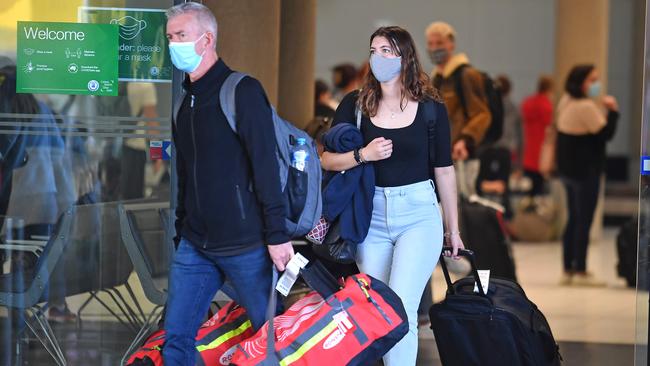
[290,275]
[342,321]
[484,276]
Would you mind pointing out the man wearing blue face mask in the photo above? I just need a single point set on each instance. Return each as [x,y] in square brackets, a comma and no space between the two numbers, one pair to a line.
[460,85]
[231,213]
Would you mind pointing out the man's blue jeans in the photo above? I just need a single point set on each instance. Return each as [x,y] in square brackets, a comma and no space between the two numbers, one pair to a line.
[194,279]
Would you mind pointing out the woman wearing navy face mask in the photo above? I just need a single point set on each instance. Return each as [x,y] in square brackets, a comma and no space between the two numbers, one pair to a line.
[406,230]
[585,122]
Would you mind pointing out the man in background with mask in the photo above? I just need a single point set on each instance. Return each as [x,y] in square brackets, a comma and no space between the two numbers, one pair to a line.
[231,213]
[452,75]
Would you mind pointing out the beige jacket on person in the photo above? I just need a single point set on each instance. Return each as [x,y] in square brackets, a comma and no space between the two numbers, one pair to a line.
[580,116]
[478,112]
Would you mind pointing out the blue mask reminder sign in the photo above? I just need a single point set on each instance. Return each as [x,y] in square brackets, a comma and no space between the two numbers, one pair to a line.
[143,52]
[67,58]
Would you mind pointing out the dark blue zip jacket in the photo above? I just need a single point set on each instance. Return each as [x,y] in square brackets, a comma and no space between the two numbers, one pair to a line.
[229,196]
[348,195]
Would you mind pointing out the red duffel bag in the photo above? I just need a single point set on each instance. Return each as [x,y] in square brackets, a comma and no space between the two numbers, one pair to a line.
[355,324]
[215,341]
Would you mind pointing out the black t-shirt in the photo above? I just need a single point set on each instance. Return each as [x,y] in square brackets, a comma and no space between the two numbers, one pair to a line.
[409,162]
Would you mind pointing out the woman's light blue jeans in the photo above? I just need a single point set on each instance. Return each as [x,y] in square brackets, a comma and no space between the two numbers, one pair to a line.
[402,248]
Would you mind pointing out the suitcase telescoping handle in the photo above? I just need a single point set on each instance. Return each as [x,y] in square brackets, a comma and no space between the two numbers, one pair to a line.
[470,256]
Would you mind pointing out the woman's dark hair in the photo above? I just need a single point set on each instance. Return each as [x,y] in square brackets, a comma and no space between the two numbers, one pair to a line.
[416,84]
[544,84]
[504,84]
[344,75]
[320,88]
[10,101]
[576,78]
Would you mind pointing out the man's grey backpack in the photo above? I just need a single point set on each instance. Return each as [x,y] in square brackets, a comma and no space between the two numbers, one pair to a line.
[302,189]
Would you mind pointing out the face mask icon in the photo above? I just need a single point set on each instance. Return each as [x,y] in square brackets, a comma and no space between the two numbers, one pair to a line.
[130,27]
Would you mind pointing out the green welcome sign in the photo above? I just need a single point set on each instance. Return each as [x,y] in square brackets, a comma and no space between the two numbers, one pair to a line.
[144,55]
[67,58]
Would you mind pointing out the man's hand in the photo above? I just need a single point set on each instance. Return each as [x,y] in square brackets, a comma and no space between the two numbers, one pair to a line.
[281,254]
[459,151]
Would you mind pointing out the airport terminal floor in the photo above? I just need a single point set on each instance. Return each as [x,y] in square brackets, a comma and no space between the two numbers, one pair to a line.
[594,327]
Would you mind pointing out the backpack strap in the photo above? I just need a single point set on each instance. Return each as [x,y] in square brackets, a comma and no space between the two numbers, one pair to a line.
[458,87]
[227,98]
[430,115]
[358,110]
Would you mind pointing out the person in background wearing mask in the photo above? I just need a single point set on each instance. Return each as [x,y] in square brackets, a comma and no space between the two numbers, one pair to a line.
[344,79]
[467,127]
[585,122]
[537,113]
[406,229]
[225,228]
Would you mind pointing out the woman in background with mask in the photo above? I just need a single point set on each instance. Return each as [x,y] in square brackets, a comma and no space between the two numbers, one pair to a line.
[585,122]
[406,230]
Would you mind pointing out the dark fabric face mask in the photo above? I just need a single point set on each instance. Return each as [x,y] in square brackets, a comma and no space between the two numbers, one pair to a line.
[438,56]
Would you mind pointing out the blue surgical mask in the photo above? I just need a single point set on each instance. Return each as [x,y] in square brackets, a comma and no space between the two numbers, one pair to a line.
[184,56]
[384,68]
[594,89]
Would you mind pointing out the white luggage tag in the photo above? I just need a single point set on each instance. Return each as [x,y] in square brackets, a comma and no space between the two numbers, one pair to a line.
[290,275]
[484,276]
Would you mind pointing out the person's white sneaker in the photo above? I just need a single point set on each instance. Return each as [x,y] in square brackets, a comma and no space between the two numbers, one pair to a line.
[587,279]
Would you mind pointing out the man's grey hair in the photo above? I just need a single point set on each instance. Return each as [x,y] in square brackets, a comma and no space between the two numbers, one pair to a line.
[202,13]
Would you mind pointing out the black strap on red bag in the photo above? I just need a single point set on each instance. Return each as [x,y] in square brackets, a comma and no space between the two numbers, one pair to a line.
[318,279]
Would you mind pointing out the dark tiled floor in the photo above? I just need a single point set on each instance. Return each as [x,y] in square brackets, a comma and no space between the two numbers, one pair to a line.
[102,344]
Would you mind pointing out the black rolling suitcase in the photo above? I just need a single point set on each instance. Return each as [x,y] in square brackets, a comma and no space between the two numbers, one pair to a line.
[626,245]
[499,328]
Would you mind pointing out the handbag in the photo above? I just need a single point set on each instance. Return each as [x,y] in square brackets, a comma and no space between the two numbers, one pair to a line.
[334,248]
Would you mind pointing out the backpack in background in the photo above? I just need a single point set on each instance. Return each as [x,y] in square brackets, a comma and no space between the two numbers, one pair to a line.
[494,101]
[302,189]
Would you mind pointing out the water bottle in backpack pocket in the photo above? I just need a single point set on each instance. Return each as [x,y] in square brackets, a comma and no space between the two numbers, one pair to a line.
[299,168]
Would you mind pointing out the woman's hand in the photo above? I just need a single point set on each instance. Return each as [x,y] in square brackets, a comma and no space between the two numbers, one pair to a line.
[456,243]
[377,149]
[610,103]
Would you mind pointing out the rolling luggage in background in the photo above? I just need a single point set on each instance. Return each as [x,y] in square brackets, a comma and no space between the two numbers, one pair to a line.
[499,328]
[482,227]
[483,231]
[535,219]
[626,245]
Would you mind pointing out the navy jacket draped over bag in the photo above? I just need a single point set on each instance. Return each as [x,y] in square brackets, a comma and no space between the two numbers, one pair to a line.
[348,195]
